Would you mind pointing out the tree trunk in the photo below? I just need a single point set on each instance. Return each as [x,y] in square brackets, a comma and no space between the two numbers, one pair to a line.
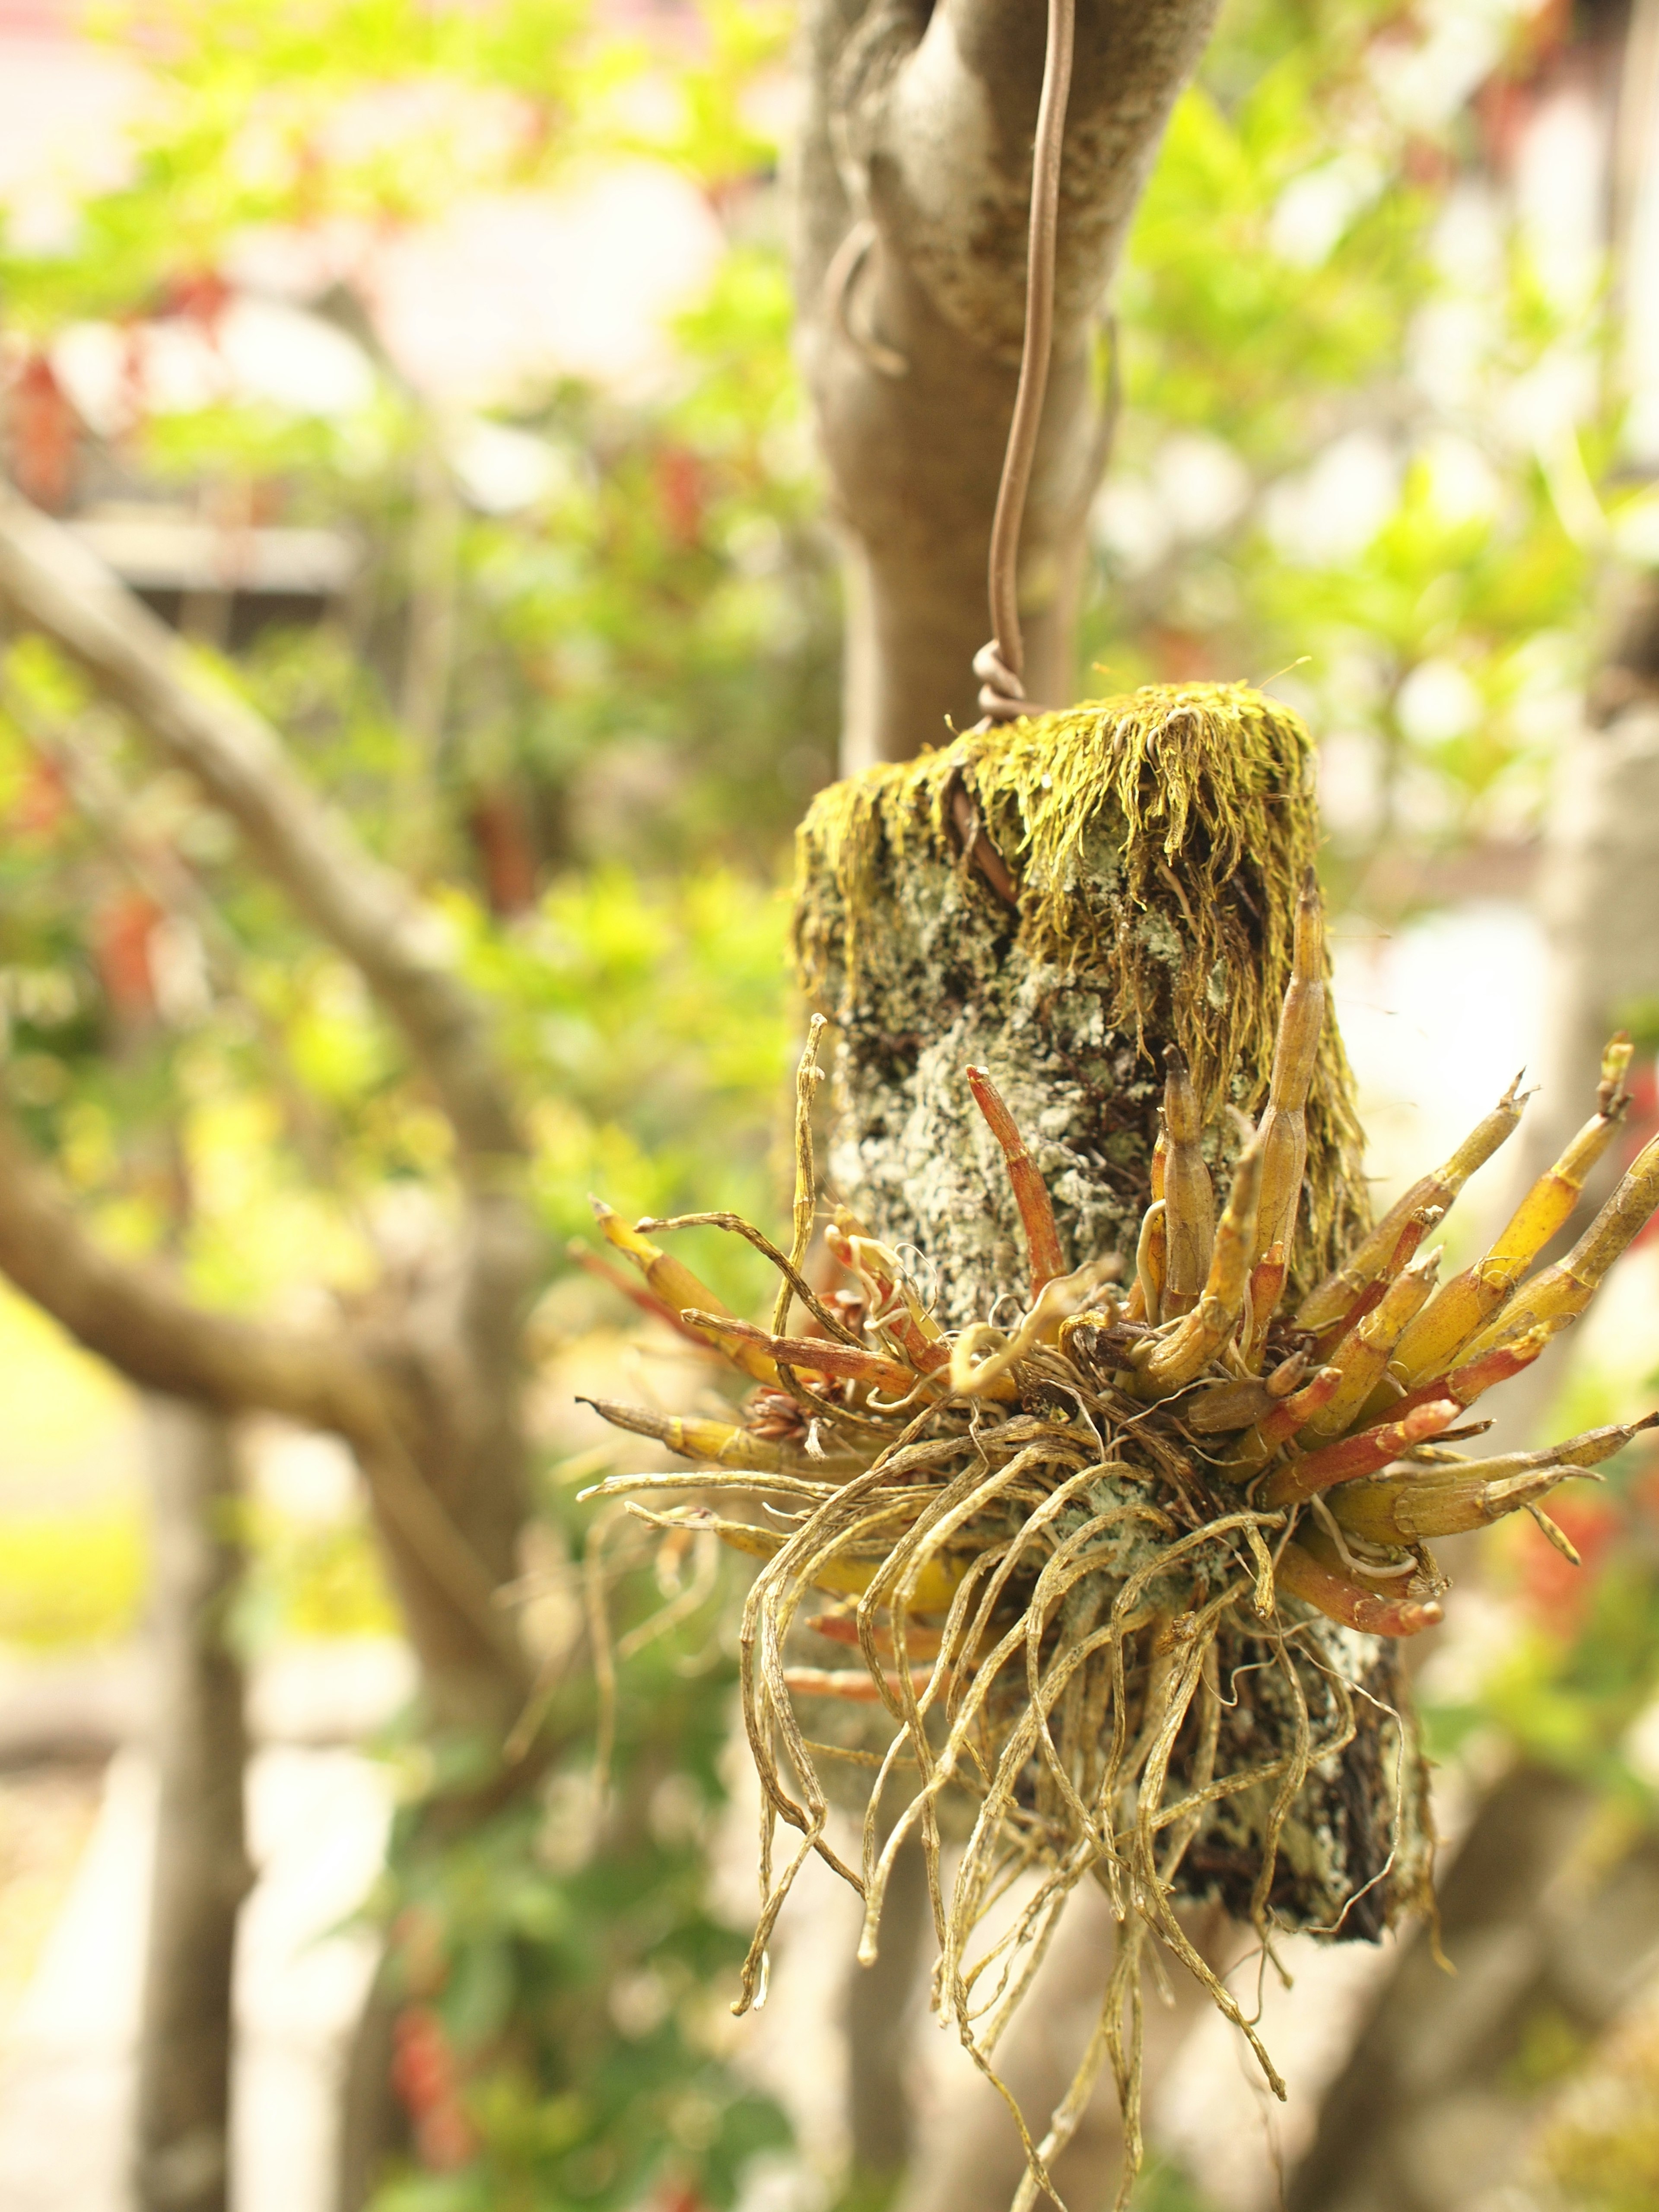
[202,1871]
[881,2024]
[1547,1943]
[913,180]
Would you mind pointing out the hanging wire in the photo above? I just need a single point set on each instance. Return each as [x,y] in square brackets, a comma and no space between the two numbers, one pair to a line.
[999,664]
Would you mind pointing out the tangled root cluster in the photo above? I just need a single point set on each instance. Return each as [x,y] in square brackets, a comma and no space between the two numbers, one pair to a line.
[1117,1577]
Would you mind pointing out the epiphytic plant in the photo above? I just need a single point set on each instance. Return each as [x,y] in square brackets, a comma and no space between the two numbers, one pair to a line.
[1112,1569]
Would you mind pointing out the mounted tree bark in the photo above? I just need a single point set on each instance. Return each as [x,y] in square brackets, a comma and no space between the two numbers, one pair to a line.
[1036,956]
[202,1871]
[913,189]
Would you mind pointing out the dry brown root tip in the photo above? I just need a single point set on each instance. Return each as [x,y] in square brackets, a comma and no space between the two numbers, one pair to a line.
[1341,1598]
[1188,1198]
[1030,1193]
[1357,1456]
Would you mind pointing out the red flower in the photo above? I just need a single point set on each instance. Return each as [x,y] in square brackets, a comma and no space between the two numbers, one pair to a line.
[426,2080]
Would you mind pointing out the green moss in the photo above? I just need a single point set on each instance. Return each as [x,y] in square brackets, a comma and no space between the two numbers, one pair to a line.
[1157,840]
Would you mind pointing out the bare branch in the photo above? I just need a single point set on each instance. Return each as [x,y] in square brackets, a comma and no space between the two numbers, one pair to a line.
[130,1314]
[133,1316]
[48,580]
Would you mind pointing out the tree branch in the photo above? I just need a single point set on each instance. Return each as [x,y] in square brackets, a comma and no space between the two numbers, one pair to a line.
[50,581]
[131,1316]
[914,191]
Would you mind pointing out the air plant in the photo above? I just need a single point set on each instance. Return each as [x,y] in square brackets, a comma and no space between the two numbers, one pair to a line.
[1109,1573]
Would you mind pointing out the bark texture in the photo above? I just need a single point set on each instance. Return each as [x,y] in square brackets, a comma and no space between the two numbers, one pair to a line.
[181,2161]
[1129,884]
[912,195]
[1548,1943]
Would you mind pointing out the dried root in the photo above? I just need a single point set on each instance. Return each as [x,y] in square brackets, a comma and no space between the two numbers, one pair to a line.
[1108,1570]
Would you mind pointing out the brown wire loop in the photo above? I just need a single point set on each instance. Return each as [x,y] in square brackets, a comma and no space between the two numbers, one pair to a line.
[1001,695]
[999,664]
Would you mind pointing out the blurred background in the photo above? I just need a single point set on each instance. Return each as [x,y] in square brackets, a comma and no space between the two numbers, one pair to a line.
[428,366]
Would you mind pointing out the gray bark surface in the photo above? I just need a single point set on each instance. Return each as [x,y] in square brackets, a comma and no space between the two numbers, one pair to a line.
[918,127]
[181,2155]
[880,2025]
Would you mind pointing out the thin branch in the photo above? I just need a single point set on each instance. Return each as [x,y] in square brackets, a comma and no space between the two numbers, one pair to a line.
[131,1315]
[50,581]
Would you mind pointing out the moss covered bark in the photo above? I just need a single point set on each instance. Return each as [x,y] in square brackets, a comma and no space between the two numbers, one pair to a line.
[1059,900]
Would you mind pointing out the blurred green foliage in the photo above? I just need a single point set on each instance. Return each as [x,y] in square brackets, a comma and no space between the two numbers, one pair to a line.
[1367,441]
[1602,2155]
[562,2027]
[69,1579]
